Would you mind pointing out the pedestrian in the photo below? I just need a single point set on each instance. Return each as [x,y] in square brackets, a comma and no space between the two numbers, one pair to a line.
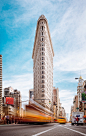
[7,119]
[77,119]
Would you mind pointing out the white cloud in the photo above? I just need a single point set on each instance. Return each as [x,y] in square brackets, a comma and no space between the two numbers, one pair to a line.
[66,98]
[21,82]
[69,38]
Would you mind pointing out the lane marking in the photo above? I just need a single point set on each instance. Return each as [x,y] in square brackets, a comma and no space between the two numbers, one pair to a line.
[75,131]
[44,131]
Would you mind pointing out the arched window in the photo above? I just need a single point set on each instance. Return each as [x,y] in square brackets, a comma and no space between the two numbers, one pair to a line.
[42,27]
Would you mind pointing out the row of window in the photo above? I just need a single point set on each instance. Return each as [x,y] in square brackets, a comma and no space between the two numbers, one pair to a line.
[42,67]
[42,95]
[43,81]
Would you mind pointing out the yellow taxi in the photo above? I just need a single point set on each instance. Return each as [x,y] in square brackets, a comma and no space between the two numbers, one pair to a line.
[62,120]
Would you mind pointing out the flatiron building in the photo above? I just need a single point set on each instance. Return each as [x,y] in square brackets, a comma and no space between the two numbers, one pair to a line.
[43,54]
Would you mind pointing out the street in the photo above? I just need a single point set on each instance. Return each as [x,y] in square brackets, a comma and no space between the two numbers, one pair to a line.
[51,129]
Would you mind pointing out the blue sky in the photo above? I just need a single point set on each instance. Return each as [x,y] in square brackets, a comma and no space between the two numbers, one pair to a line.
[67,24]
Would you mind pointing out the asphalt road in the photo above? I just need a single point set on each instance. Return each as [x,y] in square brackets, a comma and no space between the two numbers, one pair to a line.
[51,129]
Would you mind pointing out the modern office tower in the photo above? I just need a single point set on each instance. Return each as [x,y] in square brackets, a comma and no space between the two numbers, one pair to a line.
[1,111]
[43,54]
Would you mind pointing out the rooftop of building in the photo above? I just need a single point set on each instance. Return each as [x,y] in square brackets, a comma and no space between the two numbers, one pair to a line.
[42,17]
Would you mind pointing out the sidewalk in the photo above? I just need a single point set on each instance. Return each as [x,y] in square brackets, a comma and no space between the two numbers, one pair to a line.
[1,122]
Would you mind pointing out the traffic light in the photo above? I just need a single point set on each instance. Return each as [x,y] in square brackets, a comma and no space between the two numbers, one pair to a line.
[80,106]
[49,102]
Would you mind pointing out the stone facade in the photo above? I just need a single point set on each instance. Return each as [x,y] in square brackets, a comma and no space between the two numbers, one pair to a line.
[75,103]
[56,102]
[43,64]
[80,88]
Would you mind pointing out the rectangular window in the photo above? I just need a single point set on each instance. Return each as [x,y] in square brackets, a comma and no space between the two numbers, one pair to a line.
[42,81]
[43,72]
[42,53]
[42,63]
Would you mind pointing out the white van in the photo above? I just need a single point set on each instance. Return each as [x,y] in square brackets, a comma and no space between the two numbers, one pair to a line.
[80,115]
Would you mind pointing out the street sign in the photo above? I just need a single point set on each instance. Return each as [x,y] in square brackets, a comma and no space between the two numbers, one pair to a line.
[77,108]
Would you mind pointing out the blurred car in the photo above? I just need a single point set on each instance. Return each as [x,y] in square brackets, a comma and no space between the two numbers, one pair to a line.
[62,120]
